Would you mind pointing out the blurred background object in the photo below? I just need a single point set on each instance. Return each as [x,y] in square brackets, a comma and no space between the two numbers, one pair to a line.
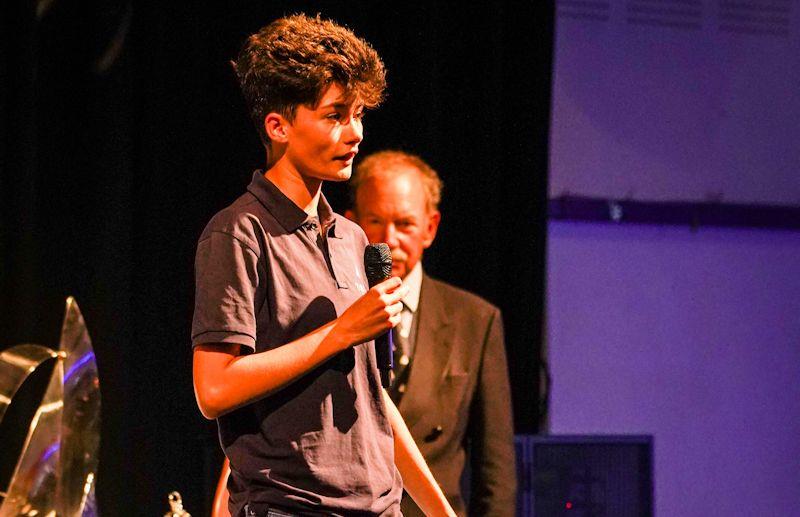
[55,468]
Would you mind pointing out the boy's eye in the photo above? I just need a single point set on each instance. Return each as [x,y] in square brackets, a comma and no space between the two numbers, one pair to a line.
[339,116]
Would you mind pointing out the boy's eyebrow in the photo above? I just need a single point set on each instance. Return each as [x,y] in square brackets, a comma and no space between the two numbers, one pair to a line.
[340,104]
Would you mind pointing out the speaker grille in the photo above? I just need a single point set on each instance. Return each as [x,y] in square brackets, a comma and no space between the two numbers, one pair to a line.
[584,476]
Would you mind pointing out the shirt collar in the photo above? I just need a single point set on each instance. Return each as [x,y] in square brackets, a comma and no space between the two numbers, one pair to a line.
[283,209]
[414,282]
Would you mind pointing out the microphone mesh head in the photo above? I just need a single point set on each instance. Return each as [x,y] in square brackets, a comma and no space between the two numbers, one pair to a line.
[377,262]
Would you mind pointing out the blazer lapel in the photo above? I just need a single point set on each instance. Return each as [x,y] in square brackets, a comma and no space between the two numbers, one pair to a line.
[431,353]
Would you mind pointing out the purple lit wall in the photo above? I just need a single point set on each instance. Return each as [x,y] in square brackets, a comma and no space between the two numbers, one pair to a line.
[693,337]
[677,100]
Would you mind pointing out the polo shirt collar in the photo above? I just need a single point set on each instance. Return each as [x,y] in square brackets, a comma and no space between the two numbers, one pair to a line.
[283,209]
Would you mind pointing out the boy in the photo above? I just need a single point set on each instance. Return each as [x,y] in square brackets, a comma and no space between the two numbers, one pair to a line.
[283,320]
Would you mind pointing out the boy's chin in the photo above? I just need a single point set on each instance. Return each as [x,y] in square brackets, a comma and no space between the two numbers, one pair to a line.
[343,174]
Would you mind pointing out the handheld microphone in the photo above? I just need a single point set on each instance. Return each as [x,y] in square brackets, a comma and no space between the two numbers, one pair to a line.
[378,266]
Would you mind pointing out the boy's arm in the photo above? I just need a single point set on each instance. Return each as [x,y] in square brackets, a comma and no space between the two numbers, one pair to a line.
[219,508]
[417,478]
[225,380]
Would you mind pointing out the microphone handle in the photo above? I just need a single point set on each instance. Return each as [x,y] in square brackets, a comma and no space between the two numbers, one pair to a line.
[384,348]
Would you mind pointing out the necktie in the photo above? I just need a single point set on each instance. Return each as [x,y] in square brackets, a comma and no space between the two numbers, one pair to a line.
[401,363]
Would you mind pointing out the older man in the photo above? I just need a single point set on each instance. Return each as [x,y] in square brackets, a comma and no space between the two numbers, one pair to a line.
[451,382]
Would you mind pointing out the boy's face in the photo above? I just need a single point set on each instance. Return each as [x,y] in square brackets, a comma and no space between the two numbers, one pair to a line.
[323,141]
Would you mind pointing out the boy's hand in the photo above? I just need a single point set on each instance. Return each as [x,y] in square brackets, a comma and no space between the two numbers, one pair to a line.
[376,312]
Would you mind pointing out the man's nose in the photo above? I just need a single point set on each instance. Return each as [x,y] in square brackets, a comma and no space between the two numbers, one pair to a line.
[390,236]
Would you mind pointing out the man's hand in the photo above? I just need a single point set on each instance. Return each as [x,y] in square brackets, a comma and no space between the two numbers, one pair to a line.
[376,312]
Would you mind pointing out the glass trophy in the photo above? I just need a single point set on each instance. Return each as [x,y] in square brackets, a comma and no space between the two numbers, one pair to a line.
[56,472]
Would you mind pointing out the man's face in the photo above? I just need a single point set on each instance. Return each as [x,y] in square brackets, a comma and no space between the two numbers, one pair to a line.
[392,208]
[323,141]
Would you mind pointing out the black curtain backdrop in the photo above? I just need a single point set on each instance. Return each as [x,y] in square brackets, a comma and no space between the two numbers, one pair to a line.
[122,132]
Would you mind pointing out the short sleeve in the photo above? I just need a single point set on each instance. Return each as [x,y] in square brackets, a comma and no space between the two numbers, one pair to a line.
[226,279]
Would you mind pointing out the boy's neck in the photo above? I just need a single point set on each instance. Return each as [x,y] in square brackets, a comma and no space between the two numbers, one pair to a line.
[301,190]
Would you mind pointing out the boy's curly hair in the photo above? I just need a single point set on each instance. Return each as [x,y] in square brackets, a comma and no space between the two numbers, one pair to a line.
[293,60]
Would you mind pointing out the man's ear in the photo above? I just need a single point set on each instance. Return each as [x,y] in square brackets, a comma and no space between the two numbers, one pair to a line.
[350,215]
[276,126]
[434,218]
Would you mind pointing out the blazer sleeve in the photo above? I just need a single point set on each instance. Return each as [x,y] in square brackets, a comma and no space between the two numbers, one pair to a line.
[491,431]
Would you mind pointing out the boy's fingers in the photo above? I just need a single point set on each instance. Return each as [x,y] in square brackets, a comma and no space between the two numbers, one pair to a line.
[388,285]
[397,294]
[395,308]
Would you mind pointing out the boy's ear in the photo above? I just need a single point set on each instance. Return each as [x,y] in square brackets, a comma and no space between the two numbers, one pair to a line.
[275,126]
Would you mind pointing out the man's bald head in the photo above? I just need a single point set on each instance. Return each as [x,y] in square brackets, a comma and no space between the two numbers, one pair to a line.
[395,197]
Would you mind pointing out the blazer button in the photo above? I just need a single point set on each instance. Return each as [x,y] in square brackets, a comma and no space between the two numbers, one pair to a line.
[435,433]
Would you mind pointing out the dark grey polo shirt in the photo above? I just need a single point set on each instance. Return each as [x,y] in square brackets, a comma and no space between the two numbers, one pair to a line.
[265,277]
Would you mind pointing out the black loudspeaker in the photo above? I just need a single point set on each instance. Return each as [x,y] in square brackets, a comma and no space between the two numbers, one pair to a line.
[583,476]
